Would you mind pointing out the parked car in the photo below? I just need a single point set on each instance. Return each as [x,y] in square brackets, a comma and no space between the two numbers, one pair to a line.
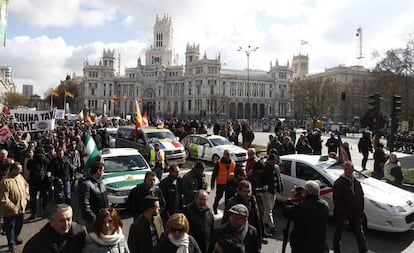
[387,208]
[145,139]
[211,148]
[124,168]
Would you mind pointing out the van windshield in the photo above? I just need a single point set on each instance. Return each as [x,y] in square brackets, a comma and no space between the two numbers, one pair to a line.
[153,137]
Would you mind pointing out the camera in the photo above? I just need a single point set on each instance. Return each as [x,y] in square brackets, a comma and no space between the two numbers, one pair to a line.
[298,190]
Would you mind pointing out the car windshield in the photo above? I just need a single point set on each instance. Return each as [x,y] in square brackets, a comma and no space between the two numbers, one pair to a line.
[155,136]
[124,163]
[220,141]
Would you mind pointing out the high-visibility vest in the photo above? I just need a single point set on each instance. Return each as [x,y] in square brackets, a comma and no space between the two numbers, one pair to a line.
[153,155]
[224,172]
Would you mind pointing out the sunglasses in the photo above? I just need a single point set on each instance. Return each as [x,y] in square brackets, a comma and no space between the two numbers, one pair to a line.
[173,230]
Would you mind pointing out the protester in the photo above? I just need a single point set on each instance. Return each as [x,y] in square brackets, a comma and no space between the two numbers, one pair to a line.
[107,236]
[92,195]
[14,194]
[222,171]
[392,171]
[348,198]
[157,160]
[145,232]
[62,177]
[200,219]
[176,237]
[365,147]
[60,234]
[379,160]
[193,181]
[310,219]
[229,244]
[172,190]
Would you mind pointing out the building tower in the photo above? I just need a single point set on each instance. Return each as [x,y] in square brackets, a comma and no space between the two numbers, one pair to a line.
[192,54]
[300,66]
[162,51]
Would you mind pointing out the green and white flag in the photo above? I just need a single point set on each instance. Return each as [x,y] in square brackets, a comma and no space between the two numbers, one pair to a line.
[91,152]
[3,21]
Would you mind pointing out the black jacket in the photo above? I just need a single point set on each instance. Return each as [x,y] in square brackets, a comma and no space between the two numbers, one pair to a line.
[38,167]
[92,198]
[61,168]
[311,222]
[252,241]
[173,193]
[48,241]
[201,225]
[137,195]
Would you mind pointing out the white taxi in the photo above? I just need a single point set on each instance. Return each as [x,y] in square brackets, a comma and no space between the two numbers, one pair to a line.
[387,208]
[211,148]
[124,168]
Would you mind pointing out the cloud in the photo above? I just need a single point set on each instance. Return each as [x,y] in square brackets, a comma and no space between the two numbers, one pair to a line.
[53,38]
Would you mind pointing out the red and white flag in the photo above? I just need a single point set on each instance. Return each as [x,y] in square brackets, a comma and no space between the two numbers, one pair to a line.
[5,134]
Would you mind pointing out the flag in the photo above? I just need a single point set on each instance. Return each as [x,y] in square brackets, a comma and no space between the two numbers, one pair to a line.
[116,99]
[138,116]
[55,94]
[145,120]
[3,21]
[69,94]
[303,42]
[5,134]
[80,115]
[4,109]
[88,119]
[343,155]
[160,122]
[91,152]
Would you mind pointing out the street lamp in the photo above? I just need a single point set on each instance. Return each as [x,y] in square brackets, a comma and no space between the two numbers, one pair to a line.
[248,51]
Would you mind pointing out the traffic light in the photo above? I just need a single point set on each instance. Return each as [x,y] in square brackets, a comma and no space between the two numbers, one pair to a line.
[374,103]
[395,112]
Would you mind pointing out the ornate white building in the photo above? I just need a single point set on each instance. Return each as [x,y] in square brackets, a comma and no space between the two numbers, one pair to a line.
[201,87]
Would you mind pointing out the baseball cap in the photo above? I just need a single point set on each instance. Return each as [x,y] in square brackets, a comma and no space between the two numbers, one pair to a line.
[239,209]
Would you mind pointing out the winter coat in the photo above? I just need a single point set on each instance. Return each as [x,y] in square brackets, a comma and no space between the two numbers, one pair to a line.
[92,198]
[252,241]
[191,183]
[310,219]
[349,204]
[137,195]
[14,194]
[115,243]
[37,167]
[166,246]
[47,240]
[61,168]
[201,224]
[172,191]
[139,237]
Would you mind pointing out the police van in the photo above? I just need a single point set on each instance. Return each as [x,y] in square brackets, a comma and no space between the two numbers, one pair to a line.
[145,139]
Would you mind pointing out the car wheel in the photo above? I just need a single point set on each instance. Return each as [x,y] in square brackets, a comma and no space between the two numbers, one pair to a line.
[215,159]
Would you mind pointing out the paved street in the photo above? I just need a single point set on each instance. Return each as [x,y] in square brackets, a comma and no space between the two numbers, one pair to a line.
[377,241]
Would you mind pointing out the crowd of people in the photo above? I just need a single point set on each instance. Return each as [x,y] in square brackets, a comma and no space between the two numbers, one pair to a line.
[172,216]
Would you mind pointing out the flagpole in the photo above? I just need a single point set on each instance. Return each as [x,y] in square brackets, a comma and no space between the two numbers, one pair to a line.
[64,104]
[51,100]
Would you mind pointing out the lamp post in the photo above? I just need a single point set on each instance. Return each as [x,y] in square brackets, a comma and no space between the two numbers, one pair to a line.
[248,51]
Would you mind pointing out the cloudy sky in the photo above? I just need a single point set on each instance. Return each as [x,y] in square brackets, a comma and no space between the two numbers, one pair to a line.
[47,40]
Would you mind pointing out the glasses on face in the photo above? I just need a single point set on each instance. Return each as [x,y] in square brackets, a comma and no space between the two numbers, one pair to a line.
[179,230]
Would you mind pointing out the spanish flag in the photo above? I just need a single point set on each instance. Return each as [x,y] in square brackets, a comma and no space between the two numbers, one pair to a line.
[55,94]
[138,116]
[69,94]
[145,120]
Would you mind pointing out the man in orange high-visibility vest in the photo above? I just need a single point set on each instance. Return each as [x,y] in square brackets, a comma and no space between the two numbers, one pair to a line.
[221,173]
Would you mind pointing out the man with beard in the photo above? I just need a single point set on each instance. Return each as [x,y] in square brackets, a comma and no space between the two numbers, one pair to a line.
[201,220]
[145,232]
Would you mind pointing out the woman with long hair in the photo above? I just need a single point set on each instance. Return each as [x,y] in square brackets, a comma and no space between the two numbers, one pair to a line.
[107,236]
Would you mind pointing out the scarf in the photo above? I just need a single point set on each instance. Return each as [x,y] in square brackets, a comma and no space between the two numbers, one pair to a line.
[108,240]
[242,231]
[181,243]
[351,183]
